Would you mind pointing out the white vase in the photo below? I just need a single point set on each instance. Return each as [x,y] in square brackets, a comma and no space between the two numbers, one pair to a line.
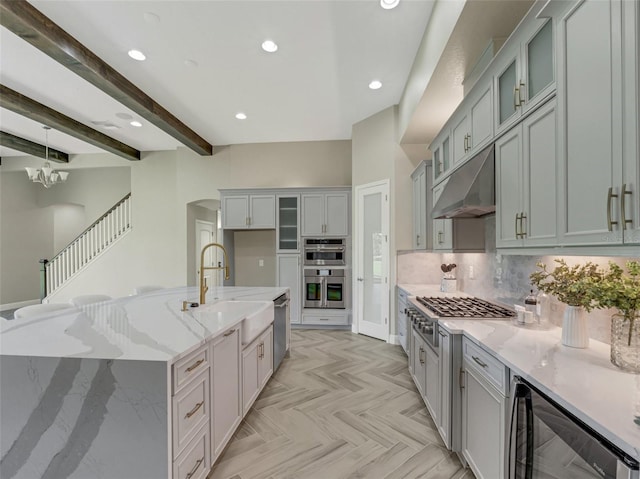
[575,332]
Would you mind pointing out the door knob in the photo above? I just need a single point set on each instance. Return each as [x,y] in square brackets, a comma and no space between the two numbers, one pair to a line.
[360,279]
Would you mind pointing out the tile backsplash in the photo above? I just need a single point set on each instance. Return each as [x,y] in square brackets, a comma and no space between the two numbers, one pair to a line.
[498,277]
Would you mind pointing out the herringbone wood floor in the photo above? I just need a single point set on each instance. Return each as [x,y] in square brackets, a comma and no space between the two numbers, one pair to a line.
[342,406]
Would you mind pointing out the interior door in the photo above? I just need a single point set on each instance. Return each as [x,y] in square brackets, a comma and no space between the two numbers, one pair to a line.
[205,234]
[371,305]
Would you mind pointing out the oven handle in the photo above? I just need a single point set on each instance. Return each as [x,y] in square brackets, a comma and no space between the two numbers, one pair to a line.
[324,292]
[324,248]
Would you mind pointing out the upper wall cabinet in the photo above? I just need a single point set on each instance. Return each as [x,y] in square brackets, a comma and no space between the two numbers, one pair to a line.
[441,154]
[526,189]
[249,212]
[525,73]
[288,229]
[471,126]
[325,214]
[598,83]
[421,207]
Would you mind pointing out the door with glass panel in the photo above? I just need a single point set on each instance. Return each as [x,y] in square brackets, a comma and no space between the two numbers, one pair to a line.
[371,285]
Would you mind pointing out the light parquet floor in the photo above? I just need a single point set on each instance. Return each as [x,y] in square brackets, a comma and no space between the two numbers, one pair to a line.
[342,406]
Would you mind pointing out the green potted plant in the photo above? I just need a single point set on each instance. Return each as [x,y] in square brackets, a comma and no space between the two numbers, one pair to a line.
[620,290]
[574,286]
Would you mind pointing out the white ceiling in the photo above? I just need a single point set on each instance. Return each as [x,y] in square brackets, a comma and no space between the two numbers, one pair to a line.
[313,88]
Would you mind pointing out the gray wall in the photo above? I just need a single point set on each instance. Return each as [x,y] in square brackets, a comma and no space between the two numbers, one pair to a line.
[250,248]
[35,221]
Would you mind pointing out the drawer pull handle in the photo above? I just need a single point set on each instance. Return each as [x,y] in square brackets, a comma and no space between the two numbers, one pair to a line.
[195,365]
[477,360]
[229,333]
[610,196]
[194,410]
[195,468]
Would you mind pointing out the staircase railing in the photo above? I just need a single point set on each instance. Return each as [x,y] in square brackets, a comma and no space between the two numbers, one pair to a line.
[86,247]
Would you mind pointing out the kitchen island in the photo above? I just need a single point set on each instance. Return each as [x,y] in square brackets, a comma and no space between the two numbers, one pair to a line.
[92,392]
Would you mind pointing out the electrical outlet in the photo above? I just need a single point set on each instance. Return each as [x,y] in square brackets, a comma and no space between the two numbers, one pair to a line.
[261,263]
[472,273]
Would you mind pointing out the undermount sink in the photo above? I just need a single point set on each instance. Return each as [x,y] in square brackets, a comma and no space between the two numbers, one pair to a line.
[259,315]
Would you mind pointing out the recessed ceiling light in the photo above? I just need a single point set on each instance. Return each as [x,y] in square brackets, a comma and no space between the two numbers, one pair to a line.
[375,85]
[269,46]
[241,116]
[137,55]
[389,4]
[124,116]
[135,123]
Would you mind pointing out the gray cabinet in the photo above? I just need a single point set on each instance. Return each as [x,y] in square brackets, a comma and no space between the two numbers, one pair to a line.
[526,188]
[403,329]
[421,207]
[441,159]
[249,211]
[226,406]
[289,275]
[600,122]
[257,367]
[525,72]
[288,223]
[484,412]
[325,214]
[472,124]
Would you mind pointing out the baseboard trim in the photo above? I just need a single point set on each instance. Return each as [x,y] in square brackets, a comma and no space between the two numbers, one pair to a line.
[394,339]
[19,304]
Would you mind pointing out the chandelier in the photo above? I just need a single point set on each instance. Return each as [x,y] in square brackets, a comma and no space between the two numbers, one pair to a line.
[46,175]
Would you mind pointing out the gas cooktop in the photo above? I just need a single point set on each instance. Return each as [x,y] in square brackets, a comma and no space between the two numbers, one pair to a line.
[464,307]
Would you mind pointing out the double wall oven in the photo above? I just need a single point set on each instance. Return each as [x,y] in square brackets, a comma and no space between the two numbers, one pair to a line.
[325,273]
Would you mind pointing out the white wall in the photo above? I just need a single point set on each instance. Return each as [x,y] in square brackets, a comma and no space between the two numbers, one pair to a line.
[36,222]
[441,23]
[68,221]
[26,235]
[158,250]
[378,156]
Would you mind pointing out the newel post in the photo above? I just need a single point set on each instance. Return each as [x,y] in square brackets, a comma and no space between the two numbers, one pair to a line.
[43,278]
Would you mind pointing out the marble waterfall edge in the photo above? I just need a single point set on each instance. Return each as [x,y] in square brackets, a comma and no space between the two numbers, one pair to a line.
[83,418]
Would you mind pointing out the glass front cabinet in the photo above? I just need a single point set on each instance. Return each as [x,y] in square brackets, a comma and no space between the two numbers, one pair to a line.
[527,76]
[288,228]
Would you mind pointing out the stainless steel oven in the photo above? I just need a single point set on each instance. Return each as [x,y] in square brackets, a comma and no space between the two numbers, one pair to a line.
[325,251]
[547,441]
[325,288]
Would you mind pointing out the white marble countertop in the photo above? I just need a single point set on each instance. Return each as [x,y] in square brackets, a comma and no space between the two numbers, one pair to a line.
[147,327]
[583,381]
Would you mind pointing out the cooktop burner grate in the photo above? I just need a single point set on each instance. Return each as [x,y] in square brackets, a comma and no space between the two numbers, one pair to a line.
[464,307]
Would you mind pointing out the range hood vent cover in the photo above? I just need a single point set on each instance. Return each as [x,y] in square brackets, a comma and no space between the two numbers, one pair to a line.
[470,191]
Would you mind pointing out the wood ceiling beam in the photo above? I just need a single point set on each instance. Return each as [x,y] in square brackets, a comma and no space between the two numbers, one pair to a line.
[25,106]
[31,148]
[31,25]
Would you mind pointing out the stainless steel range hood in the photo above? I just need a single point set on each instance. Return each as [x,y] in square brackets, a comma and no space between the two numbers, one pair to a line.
[470,191]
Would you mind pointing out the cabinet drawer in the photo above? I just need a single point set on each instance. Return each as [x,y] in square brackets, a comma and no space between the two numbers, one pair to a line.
[189,367]
[332,319]
[194,462]
[190,411]
[487,365]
